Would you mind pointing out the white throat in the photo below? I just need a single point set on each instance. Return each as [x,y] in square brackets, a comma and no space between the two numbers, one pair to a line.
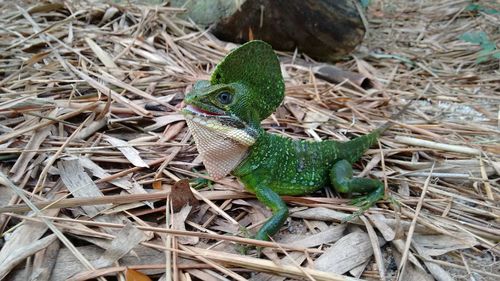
[221,147]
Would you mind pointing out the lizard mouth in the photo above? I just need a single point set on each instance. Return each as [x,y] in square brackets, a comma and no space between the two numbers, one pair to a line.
[200,111]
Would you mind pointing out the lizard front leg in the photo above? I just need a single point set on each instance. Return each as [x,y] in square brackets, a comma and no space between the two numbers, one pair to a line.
[343,182]
[280,211]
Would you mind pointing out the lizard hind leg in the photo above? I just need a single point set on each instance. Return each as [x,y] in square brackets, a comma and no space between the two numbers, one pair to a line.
[371,190]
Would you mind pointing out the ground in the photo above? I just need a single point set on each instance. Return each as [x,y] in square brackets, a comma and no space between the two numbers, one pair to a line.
[89,99]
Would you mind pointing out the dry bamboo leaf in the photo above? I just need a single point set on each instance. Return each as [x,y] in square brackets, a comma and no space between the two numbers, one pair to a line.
[19,192]
[328,236]
[23,161]
[204,275]
[358,270]
[398,244]
[45,8]
[108,15]
[225,227]
[44,262]
[380,223]
[173,131]
[99,172]
[83,230]
[37,57]
[436,145]
[80,184]
[436,270]
[139,189]
[21,253]
[312,120]
[5,195]
[112,94]
[66,265]
[126,239]
[128,151]
[377,253]
[164,120]
[260,212]
[23,236]
[103,56]
[268,266]
[320,214]
[117,82]
[411,272]
[297,111]
[42,124]
[179,219]
[92,128]
[153,57]
[298,258]
[20,102]
[347,253]
[436,245]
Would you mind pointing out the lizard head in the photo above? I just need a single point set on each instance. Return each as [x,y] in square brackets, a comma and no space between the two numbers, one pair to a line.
[224,114]
[245,87]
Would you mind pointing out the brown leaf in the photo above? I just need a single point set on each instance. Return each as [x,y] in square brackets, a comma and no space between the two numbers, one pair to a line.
[181,195]
[157,185]
[133,275]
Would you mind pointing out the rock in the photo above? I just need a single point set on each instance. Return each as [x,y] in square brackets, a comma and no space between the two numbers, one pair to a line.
[207,12]
[323,29]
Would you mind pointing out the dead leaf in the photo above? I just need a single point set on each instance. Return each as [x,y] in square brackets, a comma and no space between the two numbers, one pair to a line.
[19,168]
[181,195]
[412,272]
[435,245]
[173,130]
[128,151]
[347,253]
[179,220]
[21,253]
[312,120]
[321,214]
[157,185]
[97,171]
[133,275]
[164,120]
[125,240]
[328,236]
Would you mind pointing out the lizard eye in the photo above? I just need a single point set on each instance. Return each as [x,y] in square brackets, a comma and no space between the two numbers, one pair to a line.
[225,98]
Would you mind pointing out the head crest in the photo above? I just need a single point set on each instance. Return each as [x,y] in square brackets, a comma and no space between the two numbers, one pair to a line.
[256,67]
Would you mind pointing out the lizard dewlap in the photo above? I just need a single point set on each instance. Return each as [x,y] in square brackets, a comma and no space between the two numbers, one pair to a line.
[221,148]
[224,116]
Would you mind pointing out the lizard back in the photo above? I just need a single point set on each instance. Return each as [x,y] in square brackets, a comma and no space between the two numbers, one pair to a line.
[296,167]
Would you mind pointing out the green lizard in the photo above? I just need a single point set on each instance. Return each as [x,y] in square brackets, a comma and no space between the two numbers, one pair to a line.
[224,116]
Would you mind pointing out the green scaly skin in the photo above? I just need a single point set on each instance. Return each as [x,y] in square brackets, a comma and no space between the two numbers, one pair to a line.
[275,165]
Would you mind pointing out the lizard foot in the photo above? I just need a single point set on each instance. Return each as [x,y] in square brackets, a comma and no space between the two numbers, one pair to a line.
[364,203]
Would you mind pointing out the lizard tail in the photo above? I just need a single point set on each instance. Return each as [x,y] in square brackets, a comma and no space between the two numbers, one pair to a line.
[355,148]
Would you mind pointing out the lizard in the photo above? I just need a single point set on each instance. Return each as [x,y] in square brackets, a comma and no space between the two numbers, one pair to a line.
[224,115]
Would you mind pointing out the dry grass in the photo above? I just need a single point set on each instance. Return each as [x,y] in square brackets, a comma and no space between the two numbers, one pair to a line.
[89,124]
